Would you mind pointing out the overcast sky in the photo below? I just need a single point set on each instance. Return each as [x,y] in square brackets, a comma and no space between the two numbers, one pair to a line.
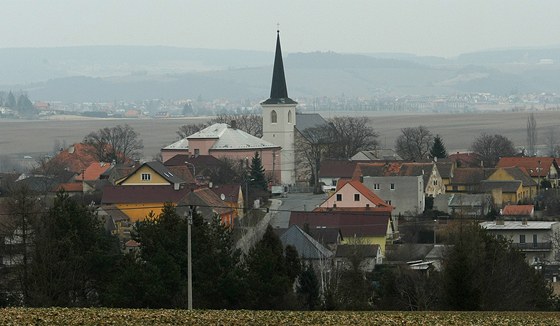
[423,27]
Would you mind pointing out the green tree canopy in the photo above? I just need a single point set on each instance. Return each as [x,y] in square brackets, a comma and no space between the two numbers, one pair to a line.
[438,148]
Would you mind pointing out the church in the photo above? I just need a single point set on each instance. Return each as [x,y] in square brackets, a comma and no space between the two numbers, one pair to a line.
[277,149]
[282,125]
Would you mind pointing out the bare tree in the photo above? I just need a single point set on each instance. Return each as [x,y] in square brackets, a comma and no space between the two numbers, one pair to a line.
[189,129]
[531,135]
[117,144]
[491,147]
[414,143]
[353,134]
[550,140]
[249,122]
[311,146]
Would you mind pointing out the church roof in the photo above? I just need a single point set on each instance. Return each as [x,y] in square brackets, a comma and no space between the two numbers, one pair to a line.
[278,91]
[309,120]
[230,138]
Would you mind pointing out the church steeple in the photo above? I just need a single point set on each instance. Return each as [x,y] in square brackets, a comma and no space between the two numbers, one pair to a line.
[278,90]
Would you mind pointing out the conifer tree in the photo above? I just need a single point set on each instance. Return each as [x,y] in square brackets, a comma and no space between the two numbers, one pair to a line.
[257,176]
[438,148]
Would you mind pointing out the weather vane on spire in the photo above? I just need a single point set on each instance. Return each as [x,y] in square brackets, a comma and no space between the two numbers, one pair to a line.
[277,27]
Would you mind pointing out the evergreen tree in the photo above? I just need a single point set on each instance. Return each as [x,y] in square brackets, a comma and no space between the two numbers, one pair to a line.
[256,174]
[438,148]
[268,282]
[24,105]
[71,256]
[308,287]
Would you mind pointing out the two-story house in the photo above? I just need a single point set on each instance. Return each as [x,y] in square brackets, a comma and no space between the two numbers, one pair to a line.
[539,168]
[533,238]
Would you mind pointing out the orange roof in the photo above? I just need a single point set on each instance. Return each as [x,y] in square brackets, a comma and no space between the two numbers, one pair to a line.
[132,243]
[517,210]
[365,191]
[71,187]
[535,166]
[76,157]
[93,171]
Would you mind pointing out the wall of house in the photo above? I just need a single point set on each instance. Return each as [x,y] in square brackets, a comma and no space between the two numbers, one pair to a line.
[347,193]
[380,240]
[407,196]
[136,178]
[202,145]
[139,212]
[435,184]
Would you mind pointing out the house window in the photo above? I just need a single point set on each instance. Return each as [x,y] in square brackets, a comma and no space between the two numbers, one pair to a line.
[146,177]
[273,116]
[392,186]
[435,182]
[376,186]
[388,202]
[196,152]
[333,182]
[290,116]
[338,197]
[522,238]
[534,240]
[356,197]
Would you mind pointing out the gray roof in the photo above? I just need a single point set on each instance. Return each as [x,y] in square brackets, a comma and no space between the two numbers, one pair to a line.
[230,138]
[518,225]
[309,120]
[468,200]
[180,144]
[306,246]
[506,186]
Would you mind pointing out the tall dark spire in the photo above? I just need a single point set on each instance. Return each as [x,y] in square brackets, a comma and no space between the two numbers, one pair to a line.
[278,91]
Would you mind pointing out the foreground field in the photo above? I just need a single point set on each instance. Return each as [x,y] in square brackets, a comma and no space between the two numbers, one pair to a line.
[65,316]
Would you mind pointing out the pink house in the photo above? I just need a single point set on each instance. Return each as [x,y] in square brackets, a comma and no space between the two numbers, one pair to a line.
[222,141]
[353,195]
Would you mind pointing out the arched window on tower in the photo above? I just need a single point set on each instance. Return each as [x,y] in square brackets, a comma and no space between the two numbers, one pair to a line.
[273,116]
[290,116]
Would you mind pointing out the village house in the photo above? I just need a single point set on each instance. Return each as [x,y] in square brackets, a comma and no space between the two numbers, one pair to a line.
[539,168]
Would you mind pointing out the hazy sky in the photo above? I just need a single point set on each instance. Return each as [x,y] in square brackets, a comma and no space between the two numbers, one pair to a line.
[424,27]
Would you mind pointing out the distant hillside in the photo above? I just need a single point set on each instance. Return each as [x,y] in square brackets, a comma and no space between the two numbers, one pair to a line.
[81,74]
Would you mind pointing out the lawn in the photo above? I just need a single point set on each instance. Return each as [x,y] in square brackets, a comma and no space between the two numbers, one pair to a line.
[104,316]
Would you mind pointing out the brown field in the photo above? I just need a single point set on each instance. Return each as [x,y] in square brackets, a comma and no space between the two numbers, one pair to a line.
[18,138]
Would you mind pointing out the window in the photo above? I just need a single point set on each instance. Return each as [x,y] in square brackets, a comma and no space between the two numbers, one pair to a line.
[435,182]
[376,186]
[455,188]
[146,177]
[534,240]
[196,152]
[338,197]
[392,186]
[522,238]
[388,202]
[273,116]
[333,182]
[356,197]
[290,116]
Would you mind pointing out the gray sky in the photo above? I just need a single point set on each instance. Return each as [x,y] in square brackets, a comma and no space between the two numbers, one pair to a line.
[423,27]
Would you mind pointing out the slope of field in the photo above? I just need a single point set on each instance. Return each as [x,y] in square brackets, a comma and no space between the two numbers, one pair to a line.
[457,130]
[66,316]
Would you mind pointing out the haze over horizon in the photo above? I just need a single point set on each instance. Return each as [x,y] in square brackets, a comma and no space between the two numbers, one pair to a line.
[426,28]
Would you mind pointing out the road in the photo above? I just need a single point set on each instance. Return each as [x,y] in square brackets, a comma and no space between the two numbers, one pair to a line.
[294,202]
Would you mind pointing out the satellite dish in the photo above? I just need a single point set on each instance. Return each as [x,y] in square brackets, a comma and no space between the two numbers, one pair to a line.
[223,197]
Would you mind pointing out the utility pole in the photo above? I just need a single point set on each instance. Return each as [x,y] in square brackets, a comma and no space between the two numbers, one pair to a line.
[189,257]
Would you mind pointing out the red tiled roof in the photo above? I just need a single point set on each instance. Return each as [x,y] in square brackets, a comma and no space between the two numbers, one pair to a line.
[142,194]
[518,210]
[132,244]
[93,171]
[464,160]
[76,157]
[535,166]
[372,224]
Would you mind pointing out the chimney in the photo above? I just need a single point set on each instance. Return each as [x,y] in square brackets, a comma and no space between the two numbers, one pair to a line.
[233,124]
[524,221]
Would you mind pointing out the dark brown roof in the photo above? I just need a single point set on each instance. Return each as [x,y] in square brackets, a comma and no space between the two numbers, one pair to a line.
[506,186]
[207,202]
[337,169]
[372,224]
[183,172]
[468,176]
[231,192]
[444,169]
[142,194]
[325,236]
[199,161]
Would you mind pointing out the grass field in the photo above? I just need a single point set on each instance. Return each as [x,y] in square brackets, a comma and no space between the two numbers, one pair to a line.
[457,130]
[66,316]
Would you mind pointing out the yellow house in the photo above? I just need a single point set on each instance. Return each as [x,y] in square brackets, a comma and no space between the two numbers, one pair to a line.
[503,192]
[356,227]
[529,186]
[154,174]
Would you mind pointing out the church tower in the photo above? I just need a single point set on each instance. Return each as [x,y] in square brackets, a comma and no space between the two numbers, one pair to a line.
[279,119]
